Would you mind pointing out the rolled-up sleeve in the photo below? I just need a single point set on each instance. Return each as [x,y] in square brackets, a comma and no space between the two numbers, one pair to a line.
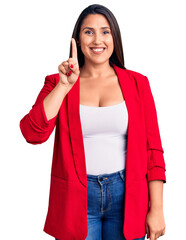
[35,126]
[155,159]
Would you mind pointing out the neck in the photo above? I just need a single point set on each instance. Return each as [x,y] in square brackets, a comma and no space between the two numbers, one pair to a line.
[93,70]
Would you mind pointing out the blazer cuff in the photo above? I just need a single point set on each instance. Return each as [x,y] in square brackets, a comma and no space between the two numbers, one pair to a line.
[156,165]
[156,173]
[38,117]
[155,158]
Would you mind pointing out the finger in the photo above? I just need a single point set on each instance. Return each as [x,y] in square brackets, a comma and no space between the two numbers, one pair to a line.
[72,64]
[74,49]
[159,234]
[147,230]
[69,73]
[62,69]
[152,236]
[65,65]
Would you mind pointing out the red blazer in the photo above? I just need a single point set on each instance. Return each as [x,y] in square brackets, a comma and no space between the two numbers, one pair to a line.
[67,208]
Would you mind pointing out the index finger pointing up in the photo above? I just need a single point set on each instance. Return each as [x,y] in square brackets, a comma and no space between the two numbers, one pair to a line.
[74,48]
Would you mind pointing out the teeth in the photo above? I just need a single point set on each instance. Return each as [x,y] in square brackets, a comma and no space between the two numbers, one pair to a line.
[97,49]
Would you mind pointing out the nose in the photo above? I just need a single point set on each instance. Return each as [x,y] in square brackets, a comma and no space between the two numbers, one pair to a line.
[98,38]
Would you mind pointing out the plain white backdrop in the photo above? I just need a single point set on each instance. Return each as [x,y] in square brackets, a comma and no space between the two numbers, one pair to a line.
[35,39]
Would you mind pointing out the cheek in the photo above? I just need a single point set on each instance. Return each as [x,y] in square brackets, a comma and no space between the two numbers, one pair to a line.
[110,42]
[84,45]
[83,50]
[111,46]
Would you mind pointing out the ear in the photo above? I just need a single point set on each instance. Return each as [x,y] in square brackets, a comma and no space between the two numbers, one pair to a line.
[78,43]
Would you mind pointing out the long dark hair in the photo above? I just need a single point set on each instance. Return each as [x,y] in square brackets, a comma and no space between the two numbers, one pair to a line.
[117,56]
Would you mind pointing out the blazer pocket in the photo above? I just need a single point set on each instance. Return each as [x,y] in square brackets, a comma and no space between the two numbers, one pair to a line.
[58,178]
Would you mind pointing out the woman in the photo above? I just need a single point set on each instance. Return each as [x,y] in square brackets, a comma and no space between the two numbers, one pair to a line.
[108,160]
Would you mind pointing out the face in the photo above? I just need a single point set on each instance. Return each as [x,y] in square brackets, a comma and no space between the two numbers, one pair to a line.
[95,34]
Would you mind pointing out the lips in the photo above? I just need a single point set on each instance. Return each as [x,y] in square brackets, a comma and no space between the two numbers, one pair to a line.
[97,50]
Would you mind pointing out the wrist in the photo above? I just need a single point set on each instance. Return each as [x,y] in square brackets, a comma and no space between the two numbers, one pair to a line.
[156,207]
[67,86]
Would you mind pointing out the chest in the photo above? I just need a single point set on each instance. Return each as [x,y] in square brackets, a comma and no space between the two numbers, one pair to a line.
[100,92]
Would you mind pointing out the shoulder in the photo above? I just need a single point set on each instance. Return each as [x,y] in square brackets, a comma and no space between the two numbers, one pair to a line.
[138,80]
[134,76]
[137,75]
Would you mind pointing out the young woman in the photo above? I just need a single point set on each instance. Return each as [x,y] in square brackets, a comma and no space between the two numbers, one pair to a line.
[108,167]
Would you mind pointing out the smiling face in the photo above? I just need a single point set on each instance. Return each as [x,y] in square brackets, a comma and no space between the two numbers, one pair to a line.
[95,39]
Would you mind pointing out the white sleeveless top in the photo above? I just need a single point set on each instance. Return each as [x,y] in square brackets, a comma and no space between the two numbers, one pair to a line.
[105,131]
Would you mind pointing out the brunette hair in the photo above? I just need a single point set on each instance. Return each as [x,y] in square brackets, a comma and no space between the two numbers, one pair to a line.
[117,56]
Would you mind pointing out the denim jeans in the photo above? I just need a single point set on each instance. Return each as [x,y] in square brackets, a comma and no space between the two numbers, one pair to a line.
[105,207]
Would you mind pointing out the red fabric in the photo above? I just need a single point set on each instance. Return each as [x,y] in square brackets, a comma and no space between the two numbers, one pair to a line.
[67,207]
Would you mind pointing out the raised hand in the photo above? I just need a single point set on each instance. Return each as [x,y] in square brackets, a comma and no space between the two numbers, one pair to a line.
[69,70]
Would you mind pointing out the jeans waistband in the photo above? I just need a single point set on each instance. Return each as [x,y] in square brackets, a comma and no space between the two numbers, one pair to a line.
[106,176]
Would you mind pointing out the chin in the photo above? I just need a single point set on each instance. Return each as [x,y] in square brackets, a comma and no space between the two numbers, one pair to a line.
[97,61]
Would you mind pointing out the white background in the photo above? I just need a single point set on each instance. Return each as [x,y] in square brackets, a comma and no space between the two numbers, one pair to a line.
[35,39]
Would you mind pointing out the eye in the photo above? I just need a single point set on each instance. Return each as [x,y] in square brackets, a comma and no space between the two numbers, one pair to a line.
[107,32]
[88,31]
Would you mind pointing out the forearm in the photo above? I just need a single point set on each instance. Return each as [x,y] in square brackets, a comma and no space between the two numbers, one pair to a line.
[156,194]
[54,99]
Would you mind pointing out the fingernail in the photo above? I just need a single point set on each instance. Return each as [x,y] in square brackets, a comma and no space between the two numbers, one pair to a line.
[71,66]
[69,73]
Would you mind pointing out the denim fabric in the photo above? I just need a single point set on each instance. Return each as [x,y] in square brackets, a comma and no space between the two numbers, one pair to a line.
[106,206]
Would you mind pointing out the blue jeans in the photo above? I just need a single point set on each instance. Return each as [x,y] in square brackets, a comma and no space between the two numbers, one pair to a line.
[106,206]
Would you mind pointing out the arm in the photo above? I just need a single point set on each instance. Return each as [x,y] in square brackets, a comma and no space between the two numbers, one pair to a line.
[38,124]
[155,160]
[54,99]
[155,222]
[156,194]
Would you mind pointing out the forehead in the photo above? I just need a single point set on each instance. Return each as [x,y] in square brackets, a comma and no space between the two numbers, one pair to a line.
[95,20]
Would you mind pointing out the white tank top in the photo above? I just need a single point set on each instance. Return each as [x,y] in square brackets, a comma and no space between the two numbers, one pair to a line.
[105,131]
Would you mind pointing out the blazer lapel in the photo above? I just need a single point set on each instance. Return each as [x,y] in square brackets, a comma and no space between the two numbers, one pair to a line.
[75,123]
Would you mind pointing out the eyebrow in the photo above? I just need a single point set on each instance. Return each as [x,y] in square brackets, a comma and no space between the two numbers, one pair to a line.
[93,28]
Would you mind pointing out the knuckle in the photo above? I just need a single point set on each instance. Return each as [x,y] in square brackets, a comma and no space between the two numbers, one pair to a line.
[59,68]
[64,63]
